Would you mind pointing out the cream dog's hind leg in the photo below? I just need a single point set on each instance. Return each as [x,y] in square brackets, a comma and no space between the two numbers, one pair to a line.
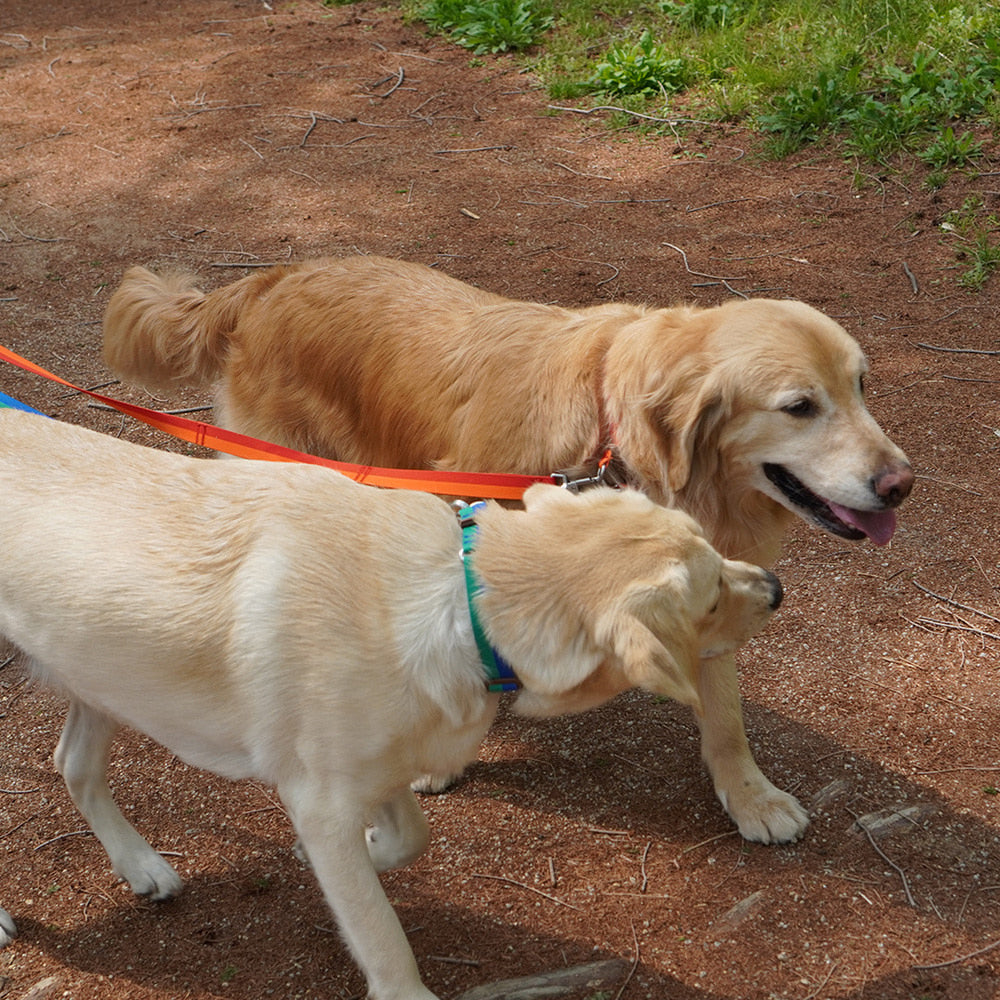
[398,833]
[761,811]
[82,760]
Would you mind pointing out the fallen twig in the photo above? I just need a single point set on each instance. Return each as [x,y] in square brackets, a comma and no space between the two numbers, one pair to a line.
[885,857]
[642,867]
[822,986]
[635,963]
[530,888]
[713,277]
[187,409]
[958,350]
[63,836]
[473,149]
[961,958]
[600,177]
[634,114]
[396,85]
[190,113]
[951,626]
[711,840]
[912,277]
[954,603]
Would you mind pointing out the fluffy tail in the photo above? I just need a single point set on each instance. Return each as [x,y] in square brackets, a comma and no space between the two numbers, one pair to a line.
[160,331]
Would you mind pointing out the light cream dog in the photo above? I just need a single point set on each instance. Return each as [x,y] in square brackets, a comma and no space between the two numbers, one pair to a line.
[283,623]
[743,415]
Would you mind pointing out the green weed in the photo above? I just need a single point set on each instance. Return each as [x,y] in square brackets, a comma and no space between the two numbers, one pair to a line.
[488,25]
[642,68]
[949,150]
[978,245]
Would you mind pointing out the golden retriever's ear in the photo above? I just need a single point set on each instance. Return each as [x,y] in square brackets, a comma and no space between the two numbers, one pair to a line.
[685,426]
[669,667]
[663,420]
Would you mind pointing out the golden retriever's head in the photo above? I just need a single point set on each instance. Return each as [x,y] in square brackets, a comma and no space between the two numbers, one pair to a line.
[758,399]
[591,595]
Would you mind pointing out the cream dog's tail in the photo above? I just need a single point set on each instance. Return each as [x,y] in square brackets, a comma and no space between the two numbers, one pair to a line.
[160,331]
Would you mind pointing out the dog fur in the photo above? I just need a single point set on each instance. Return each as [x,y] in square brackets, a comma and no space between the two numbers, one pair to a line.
[744,415]
[280,622]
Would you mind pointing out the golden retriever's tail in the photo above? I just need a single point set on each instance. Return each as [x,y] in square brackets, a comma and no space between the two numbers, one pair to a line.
[160,331]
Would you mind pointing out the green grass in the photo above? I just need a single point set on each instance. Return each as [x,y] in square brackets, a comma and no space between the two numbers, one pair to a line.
[976,234]
[884,75]
[885,82]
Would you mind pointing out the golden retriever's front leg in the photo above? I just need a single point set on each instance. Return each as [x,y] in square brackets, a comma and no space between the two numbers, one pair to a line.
[82,760]
[398,833]
[332,831]
[761,811]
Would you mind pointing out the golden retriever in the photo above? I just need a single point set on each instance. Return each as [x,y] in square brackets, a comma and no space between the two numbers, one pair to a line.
[284,623]
[744,415]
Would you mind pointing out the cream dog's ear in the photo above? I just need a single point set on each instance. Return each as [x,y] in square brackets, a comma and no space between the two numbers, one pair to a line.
[668,667]
[540,494]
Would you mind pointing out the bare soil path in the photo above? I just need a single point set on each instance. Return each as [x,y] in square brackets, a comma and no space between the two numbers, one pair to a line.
[217,135]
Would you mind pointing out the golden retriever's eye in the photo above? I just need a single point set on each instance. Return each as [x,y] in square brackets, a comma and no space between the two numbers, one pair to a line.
[803,407]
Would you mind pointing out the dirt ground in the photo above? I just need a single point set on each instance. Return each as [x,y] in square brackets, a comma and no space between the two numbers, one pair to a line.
[218,135]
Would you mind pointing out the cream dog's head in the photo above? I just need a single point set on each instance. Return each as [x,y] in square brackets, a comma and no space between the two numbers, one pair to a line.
[763,397]
[591,595]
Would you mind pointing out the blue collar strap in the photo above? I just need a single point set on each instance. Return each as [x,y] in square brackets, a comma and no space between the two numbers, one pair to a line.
[500,675]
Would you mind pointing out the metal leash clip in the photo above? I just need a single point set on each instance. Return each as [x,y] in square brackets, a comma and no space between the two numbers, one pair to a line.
[604,476]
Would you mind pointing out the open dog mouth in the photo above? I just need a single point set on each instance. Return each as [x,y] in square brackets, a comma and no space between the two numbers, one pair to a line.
[878,525]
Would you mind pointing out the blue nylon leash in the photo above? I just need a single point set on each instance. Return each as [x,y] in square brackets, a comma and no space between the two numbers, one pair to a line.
[500,675]
[10,403]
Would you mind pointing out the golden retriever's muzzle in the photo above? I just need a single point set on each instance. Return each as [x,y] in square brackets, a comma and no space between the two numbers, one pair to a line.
[889,488]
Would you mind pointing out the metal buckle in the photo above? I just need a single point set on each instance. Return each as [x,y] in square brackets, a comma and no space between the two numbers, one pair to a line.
[564,481]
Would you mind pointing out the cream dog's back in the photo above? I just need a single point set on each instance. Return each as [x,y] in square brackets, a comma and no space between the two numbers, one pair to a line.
[252,588]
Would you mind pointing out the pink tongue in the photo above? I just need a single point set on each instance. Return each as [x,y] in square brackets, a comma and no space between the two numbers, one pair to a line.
[878,525]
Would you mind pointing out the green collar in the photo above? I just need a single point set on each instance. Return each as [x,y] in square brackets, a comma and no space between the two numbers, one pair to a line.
[500,675]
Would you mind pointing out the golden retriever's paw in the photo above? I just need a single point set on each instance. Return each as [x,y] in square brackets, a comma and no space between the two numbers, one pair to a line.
[151,876]
[7,929]
[766,814]
[435,784]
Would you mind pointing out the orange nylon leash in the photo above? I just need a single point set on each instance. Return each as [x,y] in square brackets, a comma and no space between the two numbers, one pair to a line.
[489,485]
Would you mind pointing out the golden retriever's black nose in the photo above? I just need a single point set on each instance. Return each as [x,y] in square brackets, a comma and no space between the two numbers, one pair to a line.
[893,484]
[777,591]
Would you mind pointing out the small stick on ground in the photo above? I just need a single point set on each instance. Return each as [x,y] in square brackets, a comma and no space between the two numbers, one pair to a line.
[530,888]
[885,857]
[961,958]
[701,274]
[953,603]
[395,86]
[958,350]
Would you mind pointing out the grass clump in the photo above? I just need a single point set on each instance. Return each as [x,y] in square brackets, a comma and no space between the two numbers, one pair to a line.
[642,69]
[897,76]
[488,25]
[978,238]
